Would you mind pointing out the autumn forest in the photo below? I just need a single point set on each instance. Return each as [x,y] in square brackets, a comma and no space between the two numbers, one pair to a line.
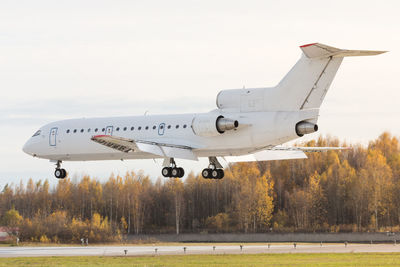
[355,190]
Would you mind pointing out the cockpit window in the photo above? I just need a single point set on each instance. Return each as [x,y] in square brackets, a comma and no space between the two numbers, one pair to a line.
[37,133]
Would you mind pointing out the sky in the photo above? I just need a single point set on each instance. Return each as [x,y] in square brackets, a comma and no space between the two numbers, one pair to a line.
[75,59]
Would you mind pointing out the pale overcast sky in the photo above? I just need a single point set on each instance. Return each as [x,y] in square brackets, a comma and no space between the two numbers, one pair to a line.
[66,59]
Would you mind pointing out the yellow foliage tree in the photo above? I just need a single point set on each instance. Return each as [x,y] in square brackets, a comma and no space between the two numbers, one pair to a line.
[12,218]
[378,177]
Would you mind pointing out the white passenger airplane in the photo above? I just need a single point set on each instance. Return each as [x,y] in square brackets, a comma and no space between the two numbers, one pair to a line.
[248,125]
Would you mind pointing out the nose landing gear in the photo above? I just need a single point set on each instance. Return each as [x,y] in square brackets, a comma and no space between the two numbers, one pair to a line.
[214,170]
[172,170]
[60,173]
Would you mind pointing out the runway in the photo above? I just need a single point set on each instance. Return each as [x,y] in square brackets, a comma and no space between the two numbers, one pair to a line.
[153,250]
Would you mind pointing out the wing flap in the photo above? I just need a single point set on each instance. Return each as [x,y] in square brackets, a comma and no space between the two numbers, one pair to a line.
[118,143]
[160,149]
[152,149]
[175,152]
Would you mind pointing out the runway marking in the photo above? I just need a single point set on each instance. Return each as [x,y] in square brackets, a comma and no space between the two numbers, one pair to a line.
[193,249]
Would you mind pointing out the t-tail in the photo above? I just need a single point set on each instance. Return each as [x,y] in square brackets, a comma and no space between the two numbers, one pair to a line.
[302,90]
[306,84]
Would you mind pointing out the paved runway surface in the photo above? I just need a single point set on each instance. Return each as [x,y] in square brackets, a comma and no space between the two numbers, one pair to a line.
[193,249]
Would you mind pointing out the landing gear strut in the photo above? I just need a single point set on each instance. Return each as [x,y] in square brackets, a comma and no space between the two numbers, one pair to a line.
[60,173]
[171,170]
[214,170]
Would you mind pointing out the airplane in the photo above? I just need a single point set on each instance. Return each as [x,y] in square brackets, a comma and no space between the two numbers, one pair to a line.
[247,125]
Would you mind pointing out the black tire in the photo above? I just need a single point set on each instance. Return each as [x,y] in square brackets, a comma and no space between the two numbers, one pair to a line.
[175,172]
[206,173]
[64,173]
[58,173]
[214,174]
[221,173]
[181,172]
[166,172]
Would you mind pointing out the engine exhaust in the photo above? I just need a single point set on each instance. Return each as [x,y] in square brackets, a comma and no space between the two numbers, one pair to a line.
[224,124]
[305,127]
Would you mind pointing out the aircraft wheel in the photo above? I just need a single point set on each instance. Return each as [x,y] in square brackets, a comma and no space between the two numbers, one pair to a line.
[215,174]
[181,172]
[64,173]
[166,171]
[58,173]
[206,173]
[221,173]
[175,172]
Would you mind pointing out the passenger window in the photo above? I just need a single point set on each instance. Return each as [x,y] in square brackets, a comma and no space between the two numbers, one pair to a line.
[96,130]
[154,127]
[68,131]
[169,126]
[88,130]
[132,128]
[103,130]
[162,127]
[124,128]
[82,130]
[117,129]
[177,126]
[147,127]
[184,126]
[75,131]
[140,128]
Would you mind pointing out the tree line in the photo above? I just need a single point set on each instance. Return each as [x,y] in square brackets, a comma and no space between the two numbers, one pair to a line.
[353,190]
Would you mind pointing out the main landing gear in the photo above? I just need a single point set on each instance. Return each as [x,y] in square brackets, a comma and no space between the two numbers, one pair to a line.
[171,170]
[60,173]
[214,170]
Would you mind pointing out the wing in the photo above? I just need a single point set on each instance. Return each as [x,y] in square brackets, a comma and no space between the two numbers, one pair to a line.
[267,155]
[306,149]
[127,145]
[281,153]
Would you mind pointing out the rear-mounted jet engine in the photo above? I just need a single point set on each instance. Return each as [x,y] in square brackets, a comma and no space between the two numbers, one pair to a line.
[212,125]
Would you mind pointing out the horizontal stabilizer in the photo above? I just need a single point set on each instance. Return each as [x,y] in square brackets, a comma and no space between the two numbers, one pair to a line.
[317,50]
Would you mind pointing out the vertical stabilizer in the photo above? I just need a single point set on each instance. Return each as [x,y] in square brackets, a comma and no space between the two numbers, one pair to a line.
[307,83]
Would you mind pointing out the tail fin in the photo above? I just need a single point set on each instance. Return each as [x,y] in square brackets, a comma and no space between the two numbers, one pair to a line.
[307,83]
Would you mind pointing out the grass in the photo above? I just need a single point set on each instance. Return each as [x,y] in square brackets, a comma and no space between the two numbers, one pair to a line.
[328,259]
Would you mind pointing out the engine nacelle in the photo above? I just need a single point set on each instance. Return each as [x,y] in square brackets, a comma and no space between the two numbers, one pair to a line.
[229,99]
[212,125]
[245,100]
[305,127]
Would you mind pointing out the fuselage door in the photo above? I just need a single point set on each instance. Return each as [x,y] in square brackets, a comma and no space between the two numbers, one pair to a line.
[53,136]
[109,130]
[161,129]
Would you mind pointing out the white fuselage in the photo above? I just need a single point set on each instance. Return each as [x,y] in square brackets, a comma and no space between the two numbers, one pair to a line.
[70,140]
[246,121]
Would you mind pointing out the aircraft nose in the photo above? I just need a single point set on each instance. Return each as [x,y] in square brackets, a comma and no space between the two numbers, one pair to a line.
[28,148]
